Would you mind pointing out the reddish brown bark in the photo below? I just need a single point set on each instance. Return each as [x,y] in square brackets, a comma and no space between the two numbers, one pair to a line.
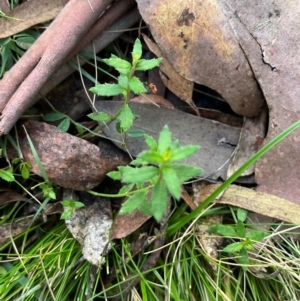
[55,45]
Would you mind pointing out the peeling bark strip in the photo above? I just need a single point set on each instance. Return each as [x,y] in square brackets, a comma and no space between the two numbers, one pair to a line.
[24,80]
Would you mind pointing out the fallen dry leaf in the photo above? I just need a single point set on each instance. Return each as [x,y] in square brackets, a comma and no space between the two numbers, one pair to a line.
[217,140]
[10,196]
[197,39]
[252,136]
[29,14]
[180,86]
[128,223]
[256,201]
[69,161]
[268,32]
[152,98]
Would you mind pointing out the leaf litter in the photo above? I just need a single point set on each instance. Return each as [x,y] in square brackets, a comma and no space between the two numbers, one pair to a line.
[272,172]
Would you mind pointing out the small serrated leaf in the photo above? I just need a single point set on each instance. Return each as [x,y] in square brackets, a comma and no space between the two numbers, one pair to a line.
[242,214]
[116,62]
[136,85]
[115,175]
[185,172]
[144,65]
[65,125]
[66,214]
[151,157]
[164,140]
[6,175]
[224,230]
[159,200]
[184,152]
[78,204]
[133,202]
[234,247]
[172,182]
[25,172]
[135,133]
[151,142]
[99,116]
[125,189]
[123,81]
[126,118]
[107,89]
[137,51]
[136,175]
[256,235]
[243,258]
[54,116]
[240,229]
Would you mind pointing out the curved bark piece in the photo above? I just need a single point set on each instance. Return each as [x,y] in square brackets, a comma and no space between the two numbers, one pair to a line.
[24,80]
[197,39]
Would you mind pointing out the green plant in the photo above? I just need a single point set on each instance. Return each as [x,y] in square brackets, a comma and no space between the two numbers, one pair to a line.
[246,237]
[69,207]
[23,166]
[154,174]
[12,48]
[126,83]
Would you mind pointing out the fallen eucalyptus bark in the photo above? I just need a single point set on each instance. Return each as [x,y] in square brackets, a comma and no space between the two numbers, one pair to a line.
[21,84]
[218,141]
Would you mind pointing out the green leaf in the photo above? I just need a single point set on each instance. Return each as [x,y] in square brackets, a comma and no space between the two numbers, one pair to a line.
[137,51]
[121,65]
[115,175]
[99,116]
[53,116]
[234,247]
[50,193]
[15,161]
[123,81]
[138,162]
[240,229]
[224,230]
[133,202]
[243,258]
[125,189]
[126,118]
[146,208]
[135,133]
[172,182]
[164,140]
[136,175]
[65,125]
[151,142]
[107,89]
[151,156]
[6,175]
[184,152]
[256,235]
[25,42]
[66,214]
[67,203]
[118,127]
[79,128]
[25,172]
[136,85]
[242,214]
[78,204]
[144,65]
[185,172]
[159,200]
